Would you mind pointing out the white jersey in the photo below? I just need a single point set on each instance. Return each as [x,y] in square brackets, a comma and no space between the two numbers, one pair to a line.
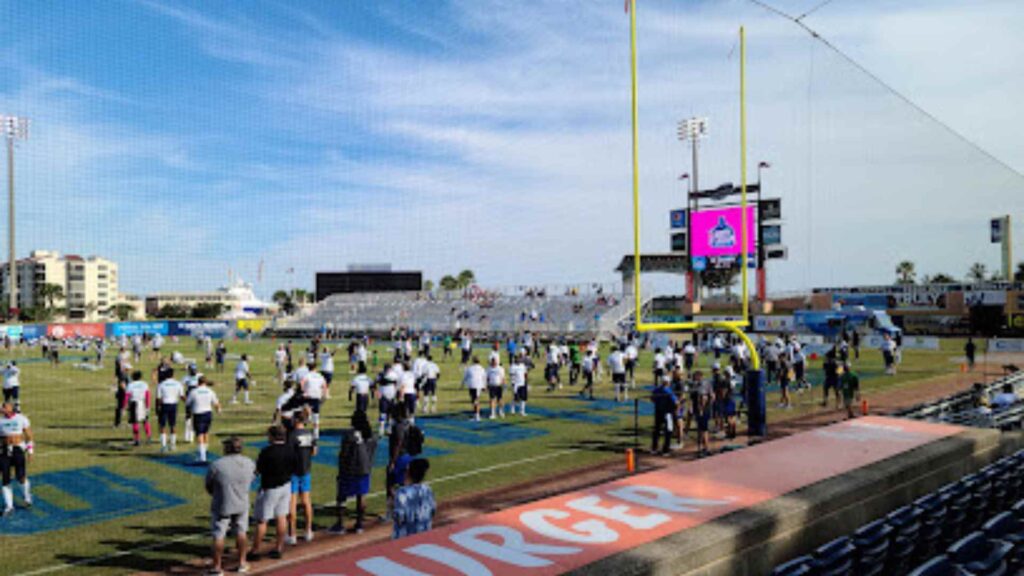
[617,362]
[495,376]
[632,353]
[467,344]
[588,363]
[202,400]
[190,382]
[419,367]
[300,373]
[361,384]
[659,361]
[388,390]
[475,377]
[407,382]
[361,353]
[280,358]
[170,391]
[14,426]
[12,377]
[327,364]
[137,391]
[313,386]
[241,370]
[517,374]
[494,355]
[432,371]
[554,355]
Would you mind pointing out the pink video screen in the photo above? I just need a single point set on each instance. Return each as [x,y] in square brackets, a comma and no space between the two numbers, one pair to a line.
[718,232]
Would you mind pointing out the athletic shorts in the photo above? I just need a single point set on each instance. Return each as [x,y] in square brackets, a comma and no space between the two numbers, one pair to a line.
[619,379]
[474,395]
[242,383]
[798,370]
[352,486]
[551,372]
[362,367]
[430,387]
[12,394]
[494,392]
[302,484]
[273,503]
[314,405]
[522,393]
[465,356]
[384,405]
[232,524]
[362,402]
[831,382]
[658,373]
[12,458]
[410,403]
[168,415]
[201,422]
[137,413]
[328,377]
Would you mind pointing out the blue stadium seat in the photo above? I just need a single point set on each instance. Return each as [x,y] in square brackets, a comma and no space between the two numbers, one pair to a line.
[934,524]
[937,566]
[1018,508]
[872,543]
[978,555]
[801,566]
[1008,527]
[906,522]
[835,558]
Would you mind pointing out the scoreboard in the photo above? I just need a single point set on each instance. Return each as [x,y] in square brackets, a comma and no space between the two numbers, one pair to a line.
[328,283]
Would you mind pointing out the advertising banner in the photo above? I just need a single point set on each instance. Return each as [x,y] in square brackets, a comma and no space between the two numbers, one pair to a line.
[909,342]
[212,328]
[256,326]
[774,323]
[719,232]
[87,330]
[118,329]
[677,218]
[14,331]
[33,331]
[1005,345]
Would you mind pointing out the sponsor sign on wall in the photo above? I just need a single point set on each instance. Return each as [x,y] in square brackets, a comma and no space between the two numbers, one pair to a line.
[1005,345]
[256,326]
[86,330]
[774,323]
[909,342]
[33,331]
[213,328]
[719,232]
[14,331]
[118,329]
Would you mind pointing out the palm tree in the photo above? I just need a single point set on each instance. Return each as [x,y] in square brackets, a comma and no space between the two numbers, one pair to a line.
[122,310]
[905,272]
[941,278]
[466,278]
[428,285]
[280,297]
[977,272]
[48,293]
[448,282]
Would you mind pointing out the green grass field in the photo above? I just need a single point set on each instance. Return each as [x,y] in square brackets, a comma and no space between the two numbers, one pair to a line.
[104,507]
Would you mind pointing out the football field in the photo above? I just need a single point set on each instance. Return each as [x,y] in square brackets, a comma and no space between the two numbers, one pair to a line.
[103,506]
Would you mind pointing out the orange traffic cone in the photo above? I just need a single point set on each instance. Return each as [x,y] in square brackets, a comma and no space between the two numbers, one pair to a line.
[864,406]
[630,460]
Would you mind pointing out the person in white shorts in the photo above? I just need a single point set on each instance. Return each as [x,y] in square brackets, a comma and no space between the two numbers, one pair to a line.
[496,388]
[274,466]
[517,375]
[475,379]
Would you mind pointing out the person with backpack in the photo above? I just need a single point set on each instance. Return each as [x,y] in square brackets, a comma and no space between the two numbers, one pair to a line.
[355,462]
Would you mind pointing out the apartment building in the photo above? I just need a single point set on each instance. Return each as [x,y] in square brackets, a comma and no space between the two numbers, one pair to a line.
[89,284]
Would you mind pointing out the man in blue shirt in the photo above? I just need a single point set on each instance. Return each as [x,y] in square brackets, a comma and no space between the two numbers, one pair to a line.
[664,413]
[414,503]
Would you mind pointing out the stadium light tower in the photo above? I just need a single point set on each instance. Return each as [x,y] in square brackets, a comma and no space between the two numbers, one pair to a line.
[692,129]
[14,128]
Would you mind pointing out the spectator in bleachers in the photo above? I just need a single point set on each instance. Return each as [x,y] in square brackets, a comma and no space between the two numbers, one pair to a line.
[1007,397]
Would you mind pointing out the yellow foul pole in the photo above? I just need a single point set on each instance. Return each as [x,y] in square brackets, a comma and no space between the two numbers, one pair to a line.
[743,172]
[636,164]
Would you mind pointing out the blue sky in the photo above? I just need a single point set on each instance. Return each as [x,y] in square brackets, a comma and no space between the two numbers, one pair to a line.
[184,139]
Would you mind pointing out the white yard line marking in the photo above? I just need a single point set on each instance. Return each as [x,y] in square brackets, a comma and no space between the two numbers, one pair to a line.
[180,539]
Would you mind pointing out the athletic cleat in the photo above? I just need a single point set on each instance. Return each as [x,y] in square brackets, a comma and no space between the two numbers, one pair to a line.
[309,536]
[8,512]
[290,540]
[336,529]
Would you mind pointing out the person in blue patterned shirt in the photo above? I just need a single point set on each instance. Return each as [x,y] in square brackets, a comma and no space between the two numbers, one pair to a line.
[414,503]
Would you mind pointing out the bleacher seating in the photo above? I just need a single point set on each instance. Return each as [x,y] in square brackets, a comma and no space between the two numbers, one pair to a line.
[962,408]
[972,527]
[447,311]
